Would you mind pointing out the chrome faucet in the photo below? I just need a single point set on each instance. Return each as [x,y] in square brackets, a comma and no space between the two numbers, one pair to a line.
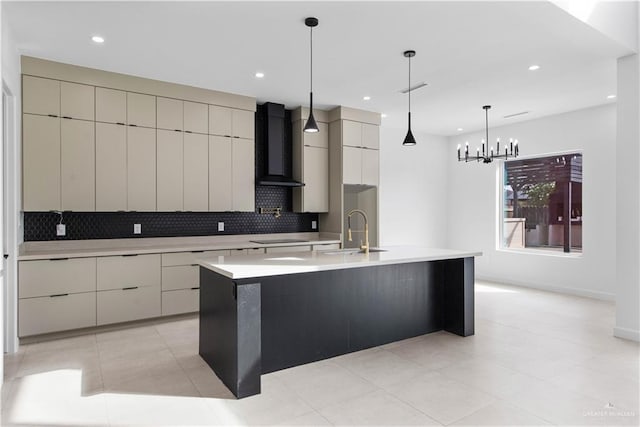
[363,247]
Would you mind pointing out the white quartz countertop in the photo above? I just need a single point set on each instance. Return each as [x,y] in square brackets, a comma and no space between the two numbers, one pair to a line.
[110,247]
[261,265]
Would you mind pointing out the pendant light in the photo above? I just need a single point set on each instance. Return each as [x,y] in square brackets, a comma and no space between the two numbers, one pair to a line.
[311,125]
[409,139]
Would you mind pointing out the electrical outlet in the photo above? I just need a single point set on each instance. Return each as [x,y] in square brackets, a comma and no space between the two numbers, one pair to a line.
[137,228]
[314,225]
[221,226]
[61,230]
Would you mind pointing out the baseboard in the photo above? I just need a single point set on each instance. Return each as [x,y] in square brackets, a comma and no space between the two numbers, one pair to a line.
[604,296]
[627,334]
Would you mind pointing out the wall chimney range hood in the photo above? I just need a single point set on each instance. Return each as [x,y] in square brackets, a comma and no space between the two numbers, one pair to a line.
[273,116]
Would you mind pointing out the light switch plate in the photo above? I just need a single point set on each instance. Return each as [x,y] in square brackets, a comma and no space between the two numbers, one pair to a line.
[137,228]
[314,225]
[221,226]
[61,230]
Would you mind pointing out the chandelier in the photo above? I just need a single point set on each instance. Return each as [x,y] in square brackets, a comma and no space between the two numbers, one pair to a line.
[510,150]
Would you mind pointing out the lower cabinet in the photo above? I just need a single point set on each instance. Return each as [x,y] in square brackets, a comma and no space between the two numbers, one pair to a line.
[131,303]
[180,301]
[56,313]
[280,249]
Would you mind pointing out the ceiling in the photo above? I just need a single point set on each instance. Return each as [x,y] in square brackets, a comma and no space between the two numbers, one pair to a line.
[469,53]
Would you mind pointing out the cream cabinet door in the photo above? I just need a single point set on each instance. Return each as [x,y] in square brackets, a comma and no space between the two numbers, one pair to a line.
[243,169]
[59,313]
[125,305]
[78,172]
[141,169]
[196,172]
[40,96]
[170,113]
[220,119]
[351,133]
[243,124]
[370,166]
[48,277]
[196,117]
[77,101]
[111,106]
[180,301]
[141,110]
[316,179]
[118,272]
[220,176]
[170,171]
[370,136]
[317,139]
[111,167]
[351,165]
[40,163]
[180,277]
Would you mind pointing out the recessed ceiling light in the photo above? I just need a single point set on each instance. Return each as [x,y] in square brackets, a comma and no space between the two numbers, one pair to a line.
[383,115]
[460,129]
[534,67]
[259,75]
[97,39]
[366,98]
[611,97]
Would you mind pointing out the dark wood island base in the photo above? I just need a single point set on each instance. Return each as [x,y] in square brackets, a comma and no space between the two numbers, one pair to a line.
[263,324]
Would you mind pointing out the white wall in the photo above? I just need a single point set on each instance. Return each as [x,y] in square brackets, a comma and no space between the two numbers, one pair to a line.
[413,192]
[474,194]
[11,78]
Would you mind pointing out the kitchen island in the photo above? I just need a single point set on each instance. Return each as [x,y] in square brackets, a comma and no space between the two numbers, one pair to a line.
[263,313]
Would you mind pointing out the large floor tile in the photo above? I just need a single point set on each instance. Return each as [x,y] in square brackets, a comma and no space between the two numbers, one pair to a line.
[441,398]
[501,414]
[376,408]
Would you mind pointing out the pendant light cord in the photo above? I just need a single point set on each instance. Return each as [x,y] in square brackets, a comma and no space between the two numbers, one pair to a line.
[311,55]
[486,127]
[409,84]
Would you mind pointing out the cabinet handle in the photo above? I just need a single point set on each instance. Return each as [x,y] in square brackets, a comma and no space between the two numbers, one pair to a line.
[120,123]
[130,255]
[67,117]
[59,259]
[197,252]
[236,137]
[178,130]
[133,125]
[195,265]
[52,115]
[129,288]
[227,136]
[58,295]
[195,289]
[188,131]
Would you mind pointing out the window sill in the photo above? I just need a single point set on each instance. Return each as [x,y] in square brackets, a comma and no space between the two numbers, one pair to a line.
[543,252]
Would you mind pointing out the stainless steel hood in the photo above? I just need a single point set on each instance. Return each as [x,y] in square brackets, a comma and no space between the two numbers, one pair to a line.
[274,146]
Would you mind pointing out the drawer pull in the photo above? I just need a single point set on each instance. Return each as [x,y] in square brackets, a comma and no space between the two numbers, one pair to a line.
[129,288]
[132,125]
[51,115]
[130,255]
[59,259]
[197,252]
[188,131]
[66,117]
[177,130]
[120,123]
[195,289]
[195,265]
[58,295]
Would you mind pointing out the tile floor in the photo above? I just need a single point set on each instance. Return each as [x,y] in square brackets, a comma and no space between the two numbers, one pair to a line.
[537,358]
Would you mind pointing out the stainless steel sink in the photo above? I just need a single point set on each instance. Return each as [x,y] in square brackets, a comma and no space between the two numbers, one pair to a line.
[352,251]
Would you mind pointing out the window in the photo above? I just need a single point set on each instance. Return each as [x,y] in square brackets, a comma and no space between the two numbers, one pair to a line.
[542,203]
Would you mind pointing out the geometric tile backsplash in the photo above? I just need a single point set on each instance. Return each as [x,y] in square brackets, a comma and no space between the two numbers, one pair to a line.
[40,226]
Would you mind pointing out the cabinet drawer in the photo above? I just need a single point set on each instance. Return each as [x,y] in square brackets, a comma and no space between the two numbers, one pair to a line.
[182,301]
[119,272]
[123,305]
[52,314]
[180,277]
[189,258]
[51,277]
[247,251]
[278,249]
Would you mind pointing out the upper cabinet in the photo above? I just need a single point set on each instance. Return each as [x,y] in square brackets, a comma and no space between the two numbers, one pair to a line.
[170,114]
[360,155]
[196,117]
[111,106]
[141,110]
[123,143]
[356,134]
[310,163]
[231,122]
